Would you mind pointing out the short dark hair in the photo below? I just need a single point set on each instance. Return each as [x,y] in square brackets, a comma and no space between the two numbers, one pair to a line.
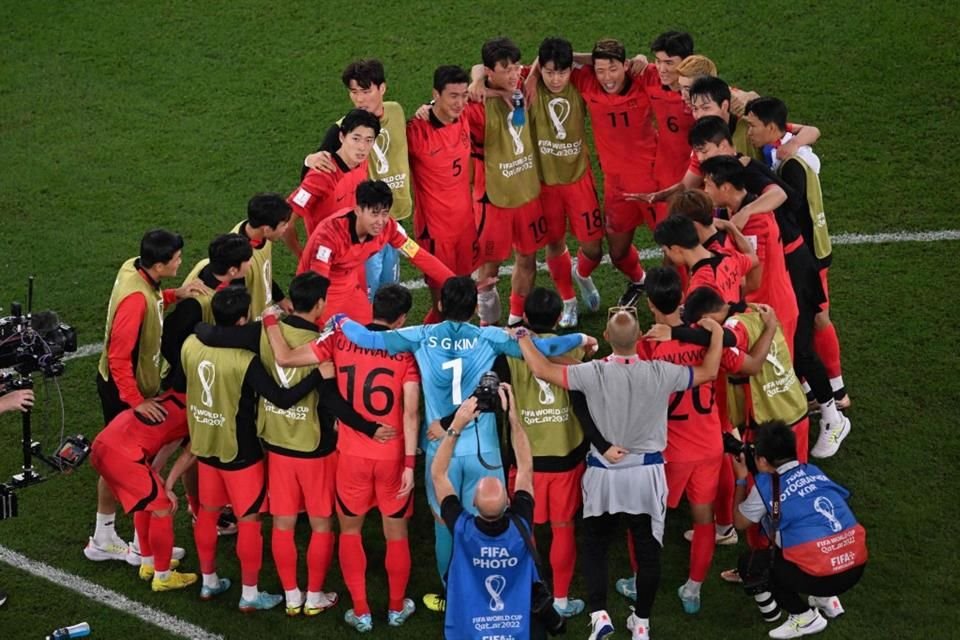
[673,43]
[724,169]
[558,51]
[307,289]
[700,302]
[710,129]
[664,289]
[769,109]
[364,72]
[499,49]
[228,250]
[230,304]
[158,246]
[449,74]
[542,308]
[268,210]
[458,299]
[776,442]
[374,194]
[359,118]
[609,49]
[676,231]
[390,302]
[693,204]
[712,87]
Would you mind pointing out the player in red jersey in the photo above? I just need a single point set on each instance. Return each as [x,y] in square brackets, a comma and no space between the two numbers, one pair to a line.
[121,454]
[439,149]
[340,246]
[323,193]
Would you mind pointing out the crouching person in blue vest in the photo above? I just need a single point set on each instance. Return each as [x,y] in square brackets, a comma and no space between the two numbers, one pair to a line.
[492,572]
[817,547]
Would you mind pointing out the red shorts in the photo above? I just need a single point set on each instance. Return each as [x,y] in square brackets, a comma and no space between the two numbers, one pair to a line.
[824,273]
[244,489]
[575,202]
[698,479]
[558,493]
[622,215]
[350,299]
[456,253]
[365,483]
[298,484]
[500,230]
[134,482]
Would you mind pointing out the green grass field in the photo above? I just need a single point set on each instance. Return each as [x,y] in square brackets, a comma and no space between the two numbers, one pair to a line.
[117,117]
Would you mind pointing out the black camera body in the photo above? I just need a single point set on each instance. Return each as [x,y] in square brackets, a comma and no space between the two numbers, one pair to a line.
[35,342]
[487,392]
[735,447]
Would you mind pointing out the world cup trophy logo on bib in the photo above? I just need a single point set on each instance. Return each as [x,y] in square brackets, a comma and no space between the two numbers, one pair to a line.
[515,133]
[285,376]
[824,507]
[773,358]
[495,585]
[267,274]
[207,373]
[380,148]
[559,110]
[546,393]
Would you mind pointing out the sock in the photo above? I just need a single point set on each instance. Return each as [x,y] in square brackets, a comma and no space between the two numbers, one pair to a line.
[630,265]
[516,304]
[561,603]
[205,537]
[433,317]
[560,268]
[632,553]
[563,558]
[104,532]
[585,264]
[249,592]
[162,575]
[723,505]
[146,560]
[211,580]
[827,345]
[443,547]
[829,412]
[353,564]
[488,306]
[161,541]
[768,606]
[285,557]
[141,527]
[839,389]
[701,552]
[249,550]
[319,555]
[397,563]
[692,587]
[293,597]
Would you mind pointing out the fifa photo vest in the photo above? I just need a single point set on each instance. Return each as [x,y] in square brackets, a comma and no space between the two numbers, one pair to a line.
[510,163]
[822,246]
[259,279]
[559,122]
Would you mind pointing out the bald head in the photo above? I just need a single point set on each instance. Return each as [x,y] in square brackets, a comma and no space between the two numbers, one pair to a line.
[490,498]
[622,332]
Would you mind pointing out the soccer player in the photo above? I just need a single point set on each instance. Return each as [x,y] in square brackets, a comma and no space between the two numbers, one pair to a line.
[452,356]
[268,216]
[366,84]
[691,68]
[341,245]
[121,454]
[322,193]
[767,129]
[439,148]
[222,389]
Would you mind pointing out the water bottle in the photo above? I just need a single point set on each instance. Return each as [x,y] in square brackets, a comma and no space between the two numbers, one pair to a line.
[81,630]
[769,154]
[519,116]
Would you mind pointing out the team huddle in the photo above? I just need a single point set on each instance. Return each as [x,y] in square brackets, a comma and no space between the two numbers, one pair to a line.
[317,399]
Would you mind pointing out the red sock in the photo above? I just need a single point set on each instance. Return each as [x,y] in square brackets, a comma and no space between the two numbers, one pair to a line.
[397,563]
[205,536]
[141,523]
[802,432]
[630,265]
[433,317]
[285,557]
[632,553]
[723,505]
[827,345]
[161,541]
[353,564]
[516,304]
[701,550]
[193,501]
[563,557]
[249,550]
[319,555]
[585,264]
[560,270]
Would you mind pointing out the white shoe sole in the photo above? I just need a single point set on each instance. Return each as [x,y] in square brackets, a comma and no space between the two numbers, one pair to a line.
[825,449]
[98,555]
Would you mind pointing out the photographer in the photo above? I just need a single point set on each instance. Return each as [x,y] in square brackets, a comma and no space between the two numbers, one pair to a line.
[20,400]
[492,571]
[818,548]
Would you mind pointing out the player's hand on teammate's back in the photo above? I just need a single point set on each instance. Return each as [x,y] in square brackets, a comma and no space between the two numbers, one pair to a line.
[384,433]
[422,113]
[337,320]
[767,314]
[286,305]
[710,324]
[658,333]
[591,345]
[193,289]
[637,64]
[615,454]
[321,161]
[477,91]
[151,410]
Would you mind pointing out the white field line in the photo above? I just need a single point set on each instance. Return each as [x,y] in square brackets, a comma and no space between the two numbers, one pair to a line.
[649,254]
[112,599]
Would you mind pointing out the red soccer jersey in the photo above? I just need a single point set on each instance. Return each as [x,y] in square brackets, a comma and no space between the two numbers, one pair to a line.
[722,272]
[476,115]
[775,286]
[674,121]
[622,122]
[142,440]
[439,164]
[693,422]
[372,381]
[323,193]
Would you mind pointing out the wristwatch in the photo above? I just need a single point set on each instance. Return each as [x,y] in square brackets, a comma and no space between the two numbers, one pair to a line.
[453,433]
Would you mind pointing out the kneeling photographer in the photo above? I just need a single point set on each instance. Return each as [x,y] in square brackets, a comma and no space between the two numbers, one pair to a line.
[816,546]
[493,584]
